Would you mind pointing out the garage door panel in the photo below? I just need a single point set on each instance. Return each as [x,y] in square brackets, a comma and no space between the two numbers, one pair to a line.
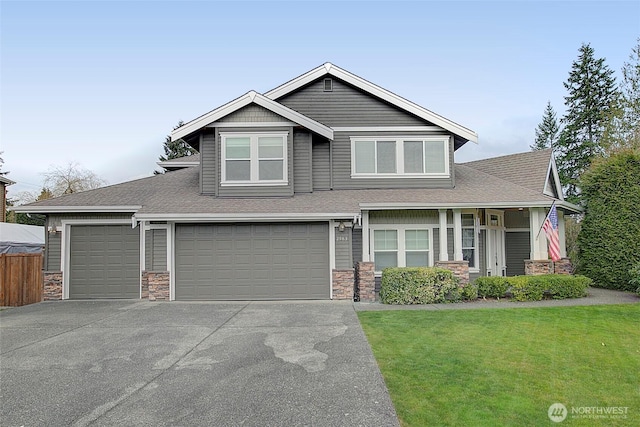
[259,261]
[104,261]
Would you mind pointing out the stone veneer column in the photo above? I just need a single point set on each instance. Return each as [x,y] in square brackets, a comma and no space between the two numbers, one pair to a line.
[366,281]
[155,285]
[52,285]
[343,283]
[536,267]
[563,266]
[460,269]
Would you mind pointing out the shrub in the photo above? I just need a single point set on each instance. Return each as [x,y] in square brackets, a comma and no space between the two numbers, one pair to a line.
[492,287]
[561,286]
[609,239]
[527,288]
[418,285]
[469,291]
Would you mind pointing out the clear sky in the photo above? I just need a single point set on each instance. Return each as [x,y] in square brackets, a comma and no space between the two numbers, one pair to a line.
[103,83]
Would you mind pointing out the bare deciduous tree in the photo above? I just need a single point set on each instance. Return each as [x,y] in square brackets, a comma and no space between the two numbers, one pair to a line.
[71,178]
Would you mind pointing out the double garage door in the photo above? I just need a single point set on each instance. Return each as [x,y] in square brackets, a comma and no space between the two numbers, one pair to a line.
[252,261]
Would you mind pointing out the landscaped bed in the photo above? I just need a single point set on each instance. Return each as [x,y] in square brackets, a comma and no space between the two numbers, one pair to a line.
[492,367]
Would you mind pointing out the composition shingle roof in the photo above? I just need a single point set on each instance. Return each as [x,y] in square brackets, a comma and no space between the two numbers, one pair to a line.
[178,193]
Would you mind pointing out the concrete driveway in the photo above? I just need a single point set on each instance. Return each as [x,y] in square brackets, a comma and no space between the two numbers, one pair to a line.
[188,364]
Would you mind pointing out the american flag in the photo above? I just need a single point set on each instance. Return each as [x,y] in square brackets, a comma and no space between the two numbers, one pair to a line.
[550,227]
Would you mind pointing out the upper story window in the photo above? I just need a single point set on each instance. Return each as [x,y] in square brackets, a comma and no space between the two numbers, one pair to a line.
[254,158]
[402,157]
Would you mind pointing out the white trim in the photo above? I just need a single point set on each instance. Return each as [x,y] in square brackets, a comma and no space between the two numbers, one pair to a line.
[332,255]
[143,254]
[443,250]
[170,164]
[76,209]
[463,205]
[375,90]
[254,159]
[399,146]
[457,235]
[246,99]
[250,124]
[171,260]
[552,170]
[65,245]
[366,250]
[245,217]
[387,129]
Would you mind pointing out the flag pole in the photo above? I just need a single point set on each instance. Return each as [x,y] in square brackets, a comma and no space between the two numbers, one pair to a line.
[545,219]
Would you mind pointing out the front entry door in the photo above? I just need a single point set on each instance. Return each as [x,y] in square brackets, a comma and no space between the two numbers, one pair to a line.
[495,244]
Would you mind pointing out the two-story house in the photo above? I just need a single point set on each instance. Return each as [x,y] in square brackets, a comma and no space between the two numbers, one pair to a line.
[301,193]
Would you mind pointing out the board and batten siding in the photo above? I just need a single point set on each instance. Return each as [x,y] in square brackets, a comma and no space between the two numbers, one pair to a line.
[302,163]
[156,250]
[53,242]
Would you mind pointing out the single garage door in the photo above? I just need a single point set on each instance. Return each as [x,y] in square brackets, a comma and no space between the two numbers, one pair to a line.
[252,261]
[104,261]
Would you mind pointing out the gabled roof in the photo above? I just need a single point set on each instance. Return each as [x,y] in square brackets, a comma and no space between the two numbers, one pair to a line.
[251,97]
[362,84]
[533,169]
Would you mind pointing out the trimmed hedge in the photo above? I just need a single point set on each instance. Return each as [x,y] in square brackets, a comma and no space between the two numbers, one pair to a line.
[609,239]
[634,280]
[418,285]
[492,286]
[534,288]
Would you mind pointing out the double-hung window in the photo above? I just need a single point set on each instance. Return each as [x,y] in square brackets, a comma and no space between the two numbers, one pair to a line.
[399,157]
[254,159]
[469,240]
[401,247]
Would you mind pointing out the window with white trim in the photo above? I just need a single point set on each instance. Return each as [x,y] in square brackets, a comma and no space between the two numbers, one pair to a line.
[403,246]
[399,157]
[254,159]
[469,240]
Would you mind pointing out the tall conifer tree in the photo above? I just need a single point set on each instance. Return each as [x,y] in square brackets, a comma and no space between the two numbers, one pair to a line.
[547,130]
[592,97]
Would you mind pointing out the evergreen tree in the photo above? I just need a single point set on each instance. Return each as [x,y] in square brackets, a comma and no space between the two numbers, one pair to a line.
[176,149]
[547,130]
[591,101]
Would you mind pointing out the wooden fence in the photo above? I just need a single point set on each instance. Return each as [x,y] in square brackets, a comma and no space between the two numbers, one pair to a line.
[20,279]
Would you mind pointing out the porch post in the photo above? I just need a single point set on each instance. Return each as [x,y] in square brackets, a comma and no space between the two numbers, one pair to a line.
[561,233]
[457,235]
[444,256]
[538,240]
[366,256]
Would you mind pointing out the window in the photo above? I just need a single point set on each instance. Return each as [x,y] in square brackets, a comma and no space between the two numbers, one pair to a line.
[399,157]
[401,247]
[469,239]
[249,159]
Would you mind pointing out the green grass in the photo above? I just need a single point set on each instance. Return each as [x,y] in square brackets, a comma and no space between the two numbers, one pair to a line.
[505,367]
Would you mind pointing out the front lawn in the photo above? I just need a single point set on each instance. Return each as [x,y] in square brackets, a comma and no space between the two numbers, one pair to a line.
[505,367]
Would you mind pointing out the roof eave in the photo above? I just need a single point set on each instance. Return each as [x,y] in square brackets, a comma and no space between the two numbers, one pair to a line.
[75,209]
[243,217]
[470,205]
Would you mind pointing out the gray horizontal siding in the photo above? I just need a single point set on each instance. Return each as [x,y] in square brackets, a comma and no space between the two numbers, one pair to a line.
[253,113]
[356,245]
[208,164]
[156,250]
[516,219]
[517,249]
[302,167]
[347,106]
[321,175]
[343,249]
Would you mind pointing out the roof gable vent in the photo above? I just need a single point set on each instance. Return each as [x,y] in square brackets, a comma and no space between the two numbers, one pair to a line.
[328,85]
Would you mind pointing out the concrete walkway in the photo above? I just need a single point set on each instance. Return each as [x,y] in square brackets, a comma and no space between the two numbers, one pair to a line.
[597,296]
[107,363]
